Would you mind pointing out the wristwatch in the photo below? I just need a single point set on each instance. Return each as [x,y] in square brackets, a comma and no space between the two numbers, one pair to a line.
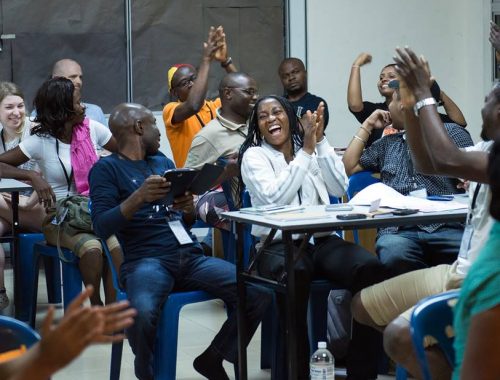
[423,103]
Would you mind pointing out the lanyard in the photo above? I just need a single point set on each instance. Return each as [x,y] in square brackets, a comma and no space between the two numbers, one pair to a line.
[69,178]
[3,141]
[199,118]
[473,204]
[238,131]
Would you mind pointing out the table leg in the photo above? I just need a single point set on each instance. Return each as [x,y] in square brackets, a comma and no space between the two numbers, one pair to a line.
[291,325]
[242,323]
[15,252]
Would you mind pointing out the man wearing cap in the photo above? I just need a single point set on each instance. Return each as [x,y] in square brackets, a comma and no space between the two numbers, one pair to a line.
[191,112]
[409,248]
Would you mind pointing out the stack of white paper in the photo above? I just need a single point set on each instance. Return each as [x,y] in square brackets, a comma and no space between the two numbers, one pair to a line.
[391,198]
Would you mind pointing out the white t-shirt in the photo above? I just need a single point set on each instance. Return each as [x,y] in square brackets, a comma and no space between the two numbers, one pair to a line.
[43,151]
[481,219]
[6,146]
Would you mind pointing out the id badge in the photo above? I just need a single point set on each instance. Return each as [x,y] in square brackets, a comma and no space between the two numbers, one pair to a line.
[466,240]
[419,193]
[58,219]
[180,232]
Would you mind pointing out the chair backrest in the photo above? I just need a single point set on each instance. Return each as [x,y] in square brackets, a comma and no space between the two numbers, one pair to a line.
[433,316]
[14,334]
[358,181]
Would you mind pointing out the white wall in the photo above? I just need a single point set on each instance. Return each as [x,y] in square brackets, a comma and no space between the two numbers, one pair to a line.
[452,34]
[164,145]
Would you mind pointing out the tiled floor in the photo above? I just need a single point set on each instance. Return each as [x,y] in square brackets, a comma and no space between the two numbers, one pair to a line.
[198,325]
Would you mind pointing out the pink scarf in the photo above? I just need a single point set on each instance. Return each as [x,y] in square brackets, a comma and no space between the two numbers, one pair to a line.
[83,156]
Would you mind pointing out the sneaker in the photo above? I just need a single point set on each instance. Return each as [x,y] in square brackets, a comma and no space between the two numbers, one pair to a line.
[4,299]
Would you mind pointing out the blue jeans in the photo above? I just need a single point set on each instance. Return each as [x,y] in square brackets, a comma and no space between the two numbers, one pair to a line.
[149,281]
[412,248]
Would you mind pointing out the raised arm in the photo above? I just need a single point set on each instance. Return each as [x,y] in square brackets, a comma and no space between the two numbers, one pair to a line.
[198,91]
[377,120]
[446,158]
[354,95]
[419,151]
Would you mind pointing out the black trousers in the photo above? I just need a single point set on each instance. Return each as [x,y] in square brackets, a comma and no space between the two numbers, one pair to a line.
[343,263]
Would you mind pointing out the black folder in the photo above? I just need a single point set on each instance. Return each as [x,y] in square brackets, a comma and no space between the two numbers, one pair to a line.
[192,180]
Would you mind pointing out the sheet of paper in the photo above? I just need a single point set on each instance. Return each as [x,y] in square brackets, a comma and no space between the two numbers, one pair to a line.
[391,198]
[300,215]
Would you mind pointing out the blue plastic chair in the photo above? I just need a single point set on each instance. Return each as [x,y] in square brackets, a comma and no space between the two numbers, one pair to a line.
[165,352]
[16,333]
[32,247]
[357,182]
[433,316]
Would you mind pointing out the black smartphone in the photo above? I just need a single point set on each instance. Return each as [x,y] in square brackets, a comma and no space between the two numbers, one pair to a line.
[404,211]
[351,216]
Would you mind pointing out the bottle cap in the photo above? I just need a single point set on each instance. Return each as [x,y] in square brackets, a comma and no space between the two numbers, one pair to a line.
[321,344]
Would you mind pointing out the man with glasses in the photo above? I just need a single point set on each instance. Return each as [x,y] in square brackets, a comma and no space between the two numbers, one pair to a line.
[184,117]
[220,140]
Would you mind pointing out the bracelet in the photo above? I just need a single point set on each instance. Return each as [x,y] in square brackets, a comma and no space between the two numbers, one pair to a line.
[366,130]
[227,62]
[360,139]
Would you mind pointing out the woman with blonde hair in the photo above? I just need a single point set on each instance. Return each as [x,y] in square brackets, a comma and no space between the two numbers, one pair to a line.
[15,127]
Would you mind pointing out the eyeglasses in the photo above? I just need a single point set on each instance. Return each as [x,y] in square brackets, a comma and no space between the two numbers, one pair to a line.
[186,81]
[249,91]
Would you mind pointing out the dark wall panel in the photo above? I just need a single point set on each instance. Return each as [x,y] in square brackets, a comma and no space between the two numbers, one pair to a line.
[174,32]
[92,32]
[163,33]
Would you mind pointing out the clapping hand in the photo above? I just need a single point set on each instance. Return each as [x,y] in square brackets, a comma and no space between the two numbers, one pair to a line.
[216,42]
[80,327]
[414,72]
[309,124]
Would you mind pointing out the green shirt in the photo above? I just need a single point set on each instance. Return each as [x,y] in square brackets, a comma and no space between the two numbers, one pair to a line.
[480,292]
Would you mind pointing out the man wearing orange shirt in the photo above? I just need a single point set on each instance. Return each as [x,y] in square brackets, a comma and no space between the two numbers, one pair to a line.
[191,112]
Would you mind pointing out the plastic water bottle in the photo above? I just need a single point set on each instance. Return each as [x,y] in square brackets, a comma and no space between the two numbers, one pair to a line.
[322,365]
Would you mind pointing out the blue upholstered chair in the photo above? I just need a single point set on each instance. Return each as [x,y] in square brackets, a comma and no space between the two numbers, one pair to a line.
[433,316]
[32,247]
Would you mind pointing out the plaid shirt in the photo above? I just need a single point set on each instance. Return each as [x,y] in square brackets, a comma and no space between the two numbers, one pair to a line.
[391,157]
